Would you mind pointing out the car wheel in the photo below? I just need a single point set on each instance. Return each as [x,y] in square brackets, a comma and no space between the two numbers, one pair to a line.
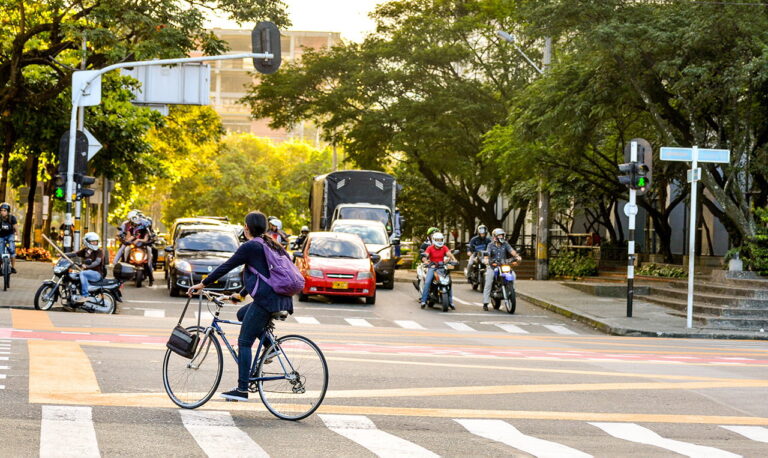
[303,297]
[175,291]
[371,300]
[390,283]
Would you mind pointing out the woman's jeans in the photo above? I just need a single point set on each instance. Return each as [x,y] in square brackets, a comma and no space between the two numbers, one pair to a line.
[86,277]
[255,320]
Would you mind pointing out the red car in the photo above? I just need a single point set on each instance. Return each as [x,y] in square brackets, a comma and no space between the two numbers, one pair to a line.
[336,264]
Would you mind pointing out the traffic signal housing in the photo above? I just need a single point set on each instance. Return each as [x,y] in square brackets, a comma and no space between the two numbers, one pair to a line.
[636,175]
[60,186]
[83,181]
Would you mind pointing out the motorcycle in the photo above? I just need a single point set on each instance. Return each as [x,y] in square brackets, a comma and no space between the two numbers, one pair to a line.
[475,273]
[503,288]
[138,257]
[103,295]
[441,287]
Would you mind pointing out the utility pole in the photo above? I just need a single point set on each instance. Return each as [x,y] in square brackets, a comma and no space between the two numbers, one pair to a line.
[80,127]
[542,225]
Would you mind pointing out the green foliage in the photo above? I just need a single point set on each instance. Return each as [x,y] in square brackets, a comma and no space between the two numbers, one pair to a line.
[246,173]
[755,251]
[650,269]
[572,264]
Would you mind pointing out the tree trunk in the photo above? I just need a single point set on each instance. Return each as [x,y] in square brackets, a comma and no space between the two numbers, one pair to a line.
[518,226]
[31,179]
[9,141]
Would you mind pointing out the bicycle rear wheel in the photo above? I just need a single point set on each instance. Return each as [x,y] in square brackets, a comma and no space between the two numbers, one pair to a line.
[304,378]
[190,383]
[6,273]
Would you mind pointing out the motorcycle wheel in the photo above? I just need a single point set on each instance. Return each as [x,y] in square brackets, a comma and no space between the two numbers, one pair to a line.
[109,305]
[139,277]
[496,303]
[511,302]
[446,302]
[40,297]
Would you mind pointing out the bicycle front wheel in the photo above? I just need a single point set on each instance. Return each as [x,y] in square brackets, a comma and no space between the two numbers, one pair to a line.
[190,383]
[301,378]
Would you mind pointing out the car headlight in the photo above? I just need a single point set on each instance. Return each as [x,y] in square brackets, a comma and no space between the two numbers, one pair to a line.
[183,266]
[236,270]
[315,273]
[364,275]
[386,254]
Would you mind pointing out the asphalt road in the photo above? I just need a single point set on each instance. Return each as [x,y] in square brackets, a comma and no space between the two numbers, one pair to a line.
[403,381]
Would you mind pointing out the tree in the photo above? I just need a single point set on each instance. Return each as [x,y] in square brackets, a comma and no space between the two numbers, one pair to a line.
[423,89]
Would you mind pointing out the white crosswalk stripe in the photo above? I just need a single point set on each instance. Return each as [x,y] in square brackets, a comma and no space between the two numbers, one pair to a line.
[501,431]
[306,320]
[459,326]
[215,432]
[158,313]
[68,432]
[461,301]
[361,430]
[636,433]
[756,433]
[205,316]
[511,328]
[558,329]
[361,322]
[408,324]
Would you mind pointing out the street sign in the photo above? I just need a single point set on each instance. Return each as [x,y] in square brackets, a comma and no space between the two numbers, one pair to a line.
[93,145]
[694,175]
[81,152]
[630,209]
[92,94]
[669,153]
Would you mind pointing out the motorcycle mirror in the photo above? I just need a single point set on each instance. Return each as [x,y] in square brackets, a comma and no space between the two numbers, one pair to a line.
[395,242]
[375,258]
[455,252]
[298,254]
[168,249]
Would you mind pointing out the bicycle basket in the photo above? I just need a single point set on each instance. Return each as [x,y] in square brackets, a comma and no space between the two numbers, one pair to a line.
[182,342]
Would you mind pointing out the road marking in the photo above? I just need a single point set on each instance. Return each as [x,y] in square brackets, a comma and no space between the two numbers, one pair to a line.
[461,301]
[501,431]
[5,353]
[75,332]
[360,429]
[26,320]
[358,322]
[68,431]
[215,432]
[3,358]
[558,329]
[74,374]
[408,324]
[158,313]
[2,387]
[205,316]
[4,368]
[459,326]
[2,376]
[306,320]
[636,433]
[756,433]
[511,328]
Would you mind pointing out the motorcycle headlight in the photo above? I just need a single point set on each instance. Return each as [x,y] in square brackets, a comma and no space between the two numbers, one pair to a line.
[506,268]
[138,256]
[364,275]
[445,280]
[59,269]
[315,273]
[183,266]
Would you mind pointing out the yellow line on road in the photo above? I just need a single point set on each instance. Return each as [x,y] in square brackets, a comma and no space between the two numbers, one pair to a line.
[31,319]
[59,367]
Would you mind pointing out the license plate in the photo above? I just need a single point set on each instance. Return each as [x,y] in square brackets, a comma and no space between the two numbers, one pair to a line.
[340,285]
[202,277]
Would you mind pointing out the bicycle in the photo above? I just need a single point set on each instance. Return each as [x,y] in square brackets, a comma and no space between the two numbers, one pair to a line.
[6,256]
[300,381]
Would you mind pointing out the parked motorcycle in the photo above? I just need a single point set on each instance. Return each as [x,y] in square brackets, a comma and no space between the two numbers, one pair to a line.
[503,289]
[441,287]
[103,295]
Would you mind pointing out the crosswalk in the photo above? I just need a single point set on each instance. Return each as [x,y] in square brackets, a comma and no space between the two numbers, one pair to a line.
[72,431]
[518,327]
[5,352]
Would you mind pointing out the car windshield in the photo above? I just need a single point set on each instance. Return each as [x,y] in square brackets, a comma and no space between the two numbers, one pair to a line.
[370,235]
[327,247]
[207,241]
[371,214]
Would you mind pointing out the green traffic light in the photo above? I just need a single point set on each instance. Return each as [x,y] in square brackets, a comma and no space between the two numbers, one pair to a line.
[641,181]
[58,193]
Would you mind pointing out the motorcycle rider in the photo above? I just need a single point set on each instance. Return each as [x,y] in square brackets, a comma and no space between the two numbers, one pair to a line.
[299,243]
[498,252]
[135,230]
[92,264]
[420,269]
[147,220]
[477,244]
[433,255]
[8,230]
[276,231]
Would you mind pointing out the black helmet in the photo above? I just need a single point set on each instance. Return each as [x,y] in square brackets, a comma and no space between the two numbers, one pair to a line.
[5,206]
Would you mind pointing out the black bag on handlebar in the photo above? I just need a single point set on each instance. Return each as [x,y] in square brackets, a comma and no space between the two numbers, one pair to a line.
[183,342]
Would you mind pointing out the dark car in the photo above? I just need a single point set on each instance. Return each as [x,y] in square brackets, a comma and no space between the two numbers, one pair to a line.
[197,252]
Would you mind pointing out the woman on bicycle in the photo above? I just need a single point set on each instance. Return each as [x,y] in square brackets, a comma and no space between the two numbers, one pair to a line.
[256,315]
[8,231]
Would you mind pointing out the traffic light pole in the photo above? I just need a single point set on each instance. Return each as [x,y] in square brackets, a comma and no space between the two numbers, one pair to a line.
[77,96]
[631,211]
[692,236]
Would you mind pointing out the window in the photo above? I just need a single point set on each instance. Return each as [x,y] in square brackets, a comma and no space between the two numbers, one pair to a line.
[370,235]
[327,247]
[207,241]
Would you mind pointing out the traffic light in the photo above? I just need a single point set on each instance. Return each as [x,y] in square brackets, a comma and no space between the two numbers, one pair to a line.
[627,176]
[635,175]
[83,181]
[60,186]
[265,38]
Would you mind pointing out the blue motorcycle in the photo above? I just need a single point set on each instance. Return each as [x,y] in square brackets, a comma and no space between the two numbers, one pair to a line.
[503,289]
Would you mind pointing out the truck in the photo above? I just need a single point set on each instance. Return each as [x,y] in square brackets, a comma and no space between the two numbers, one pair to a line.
[352,194]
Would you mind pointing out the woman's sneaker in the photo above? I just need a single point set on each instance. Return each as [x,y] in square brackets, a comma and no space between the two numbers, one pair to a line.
[235,395]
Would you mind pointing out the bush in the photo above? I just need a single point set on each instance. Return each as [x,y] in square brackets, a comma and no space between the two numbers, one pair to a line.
[660,270]
[572,264]
[755,251]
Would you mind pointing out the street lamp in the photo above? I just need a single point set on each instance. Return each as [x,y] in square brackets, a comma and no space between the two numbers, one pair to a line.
[542,226]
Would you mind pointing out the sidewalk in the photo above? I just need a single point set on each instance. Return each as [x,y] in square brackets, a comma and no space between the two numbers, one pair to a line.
[609,314]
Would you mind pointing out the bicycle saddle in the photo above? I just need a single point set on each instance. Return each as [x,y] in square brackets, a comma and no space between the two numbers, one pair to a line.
[282,315]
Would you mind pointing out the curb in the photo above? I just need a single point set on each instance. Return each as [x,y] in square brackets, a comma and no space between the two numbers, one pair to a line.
[621,331]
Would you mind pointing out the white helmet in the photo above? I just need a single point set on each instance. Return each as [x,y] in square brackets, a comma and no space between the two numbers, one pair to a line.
[499,234]
[277,223]
[134,217]
[438,239]
[91,240]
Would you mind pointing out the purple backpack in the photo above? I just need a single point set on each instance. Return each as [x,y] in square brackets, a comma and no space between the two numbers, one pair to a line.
[284,276]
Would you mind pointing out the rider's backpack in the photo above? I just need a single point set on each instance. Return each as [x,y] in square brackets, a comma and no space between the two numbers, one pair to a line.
[284,276]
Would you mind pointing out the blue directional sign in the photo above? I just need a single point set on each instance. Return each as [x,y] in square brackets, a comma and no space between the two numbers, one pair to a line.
[673,153]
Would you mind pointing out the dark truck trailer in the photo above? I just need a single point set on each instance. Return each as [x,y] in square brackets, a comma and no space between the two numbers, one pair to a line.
[358,187]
